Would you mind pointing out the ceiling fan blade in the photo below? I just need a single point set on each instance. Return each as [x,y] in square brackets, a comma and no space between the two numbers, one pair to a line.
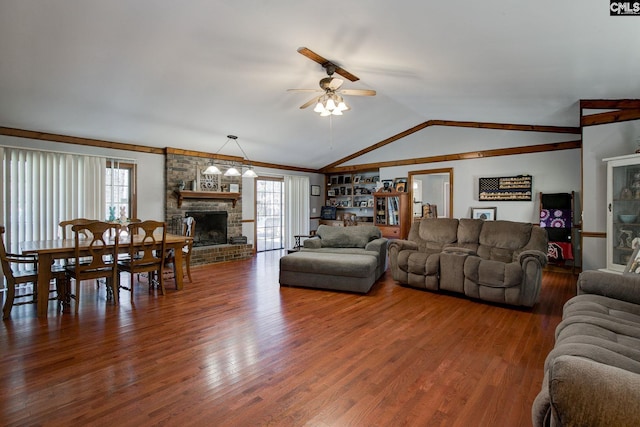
[309,103]
[335,84]
[305,90]
[326,63]
[357,92]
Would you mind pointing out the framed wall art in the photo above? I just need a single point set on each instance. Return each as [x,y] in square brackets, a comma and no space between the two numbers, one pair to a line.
[315,190]
[506,188]
[488,214]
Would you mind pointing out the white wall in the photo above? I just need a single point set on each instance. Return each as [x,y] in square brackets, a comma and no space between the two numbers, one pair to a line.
[552,172]
[599,142]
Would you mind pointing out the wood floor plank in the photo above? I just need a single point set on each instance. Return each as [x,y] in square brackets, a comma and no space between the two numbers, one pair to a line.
[235,349]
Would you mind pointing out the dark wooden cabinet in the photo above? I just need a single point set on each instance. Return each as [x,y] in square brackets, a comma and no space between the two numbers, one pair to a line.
[392,214]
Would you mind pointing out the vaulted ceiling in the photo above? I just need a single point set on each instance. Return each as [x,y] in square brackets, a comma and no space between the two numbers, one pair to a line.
[184,74]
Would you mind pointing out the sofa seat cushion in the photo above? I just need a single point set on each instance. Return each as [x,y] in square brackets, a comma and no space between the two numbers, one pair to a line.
[493,274]
[425,263]
[602,329]
[601,306]
[356,251]
[330,263]
[325,270]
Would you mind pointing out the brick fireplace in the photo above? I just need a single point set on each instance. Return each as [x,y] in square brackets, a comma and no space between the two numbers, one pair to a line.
[182,168]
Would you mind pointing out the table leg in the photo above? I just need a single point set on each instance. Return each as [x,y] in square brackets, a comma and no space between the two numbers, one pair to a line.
[177,268]
[44,279]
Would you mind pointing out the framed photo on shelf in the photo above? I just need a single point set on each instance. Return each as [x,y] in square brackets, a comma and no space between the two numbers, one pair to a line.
[400,184]
[488,214]
[633,266]
[356,179]
[331,193]
[315,190]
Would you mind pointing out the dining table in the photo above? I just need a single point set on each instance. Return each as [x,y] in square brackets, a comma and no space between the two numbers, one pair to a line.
[47,251]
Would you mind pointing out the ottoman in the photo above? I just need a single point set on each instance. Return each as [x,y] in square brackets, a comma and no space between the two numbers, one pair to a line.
[325,270]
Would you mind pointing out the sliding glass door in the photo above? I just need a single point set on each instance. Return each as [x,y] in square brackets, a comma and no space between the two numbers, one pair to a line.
[269,214]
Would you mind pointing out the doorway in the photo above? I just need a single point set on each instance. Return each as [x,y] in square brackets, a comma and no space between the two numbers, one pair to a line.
[432,191]
[269,214]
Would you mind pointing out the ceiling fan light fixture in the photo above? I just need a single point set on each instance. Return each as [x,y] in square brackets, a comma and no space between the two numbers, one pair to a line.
[325,113]
[331,105]
[336,112]
[319,107]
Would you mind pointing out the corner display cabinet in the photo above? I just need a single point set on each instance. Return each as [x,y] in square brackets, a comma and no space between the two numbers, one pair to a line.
[623,209]
[392,215]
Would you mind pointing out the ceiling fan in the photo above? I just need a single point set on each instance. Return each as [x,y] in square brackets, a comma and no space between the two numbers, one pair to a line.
[331,101]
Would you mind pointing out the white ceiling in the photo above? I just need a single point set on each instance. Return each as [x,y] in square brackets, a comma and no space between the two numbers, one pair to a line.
[184,74]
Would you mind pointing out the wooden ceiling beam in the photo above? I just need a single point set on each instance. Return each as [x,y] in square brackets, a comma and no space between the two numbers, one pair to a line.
[609,104]
[556,146]
[452,123]
[617,116]
[44,136]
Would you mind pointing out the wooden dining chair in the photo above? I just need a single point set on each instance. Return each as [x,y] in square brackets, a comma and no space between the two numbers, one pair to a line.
[94,258]
[65,226]
[188,230]
[147,245]
[20,270]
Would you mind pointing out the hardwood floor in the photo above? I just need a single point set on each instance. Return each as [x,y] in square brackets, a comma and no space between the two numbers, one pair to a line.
[234,349]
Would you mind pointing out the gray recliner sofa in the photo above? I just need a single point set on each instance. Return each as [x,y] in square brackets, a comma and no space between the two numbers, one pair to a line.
[497,261]
[592,375]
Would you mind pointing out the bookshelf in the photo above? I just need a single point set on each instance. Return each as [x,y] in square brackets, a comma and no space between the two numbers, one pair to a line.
[352,193]
[392,215]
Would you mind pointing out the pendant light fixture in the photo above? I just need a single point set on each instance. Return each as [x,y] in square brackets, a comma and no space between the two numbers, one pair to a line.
[232,171]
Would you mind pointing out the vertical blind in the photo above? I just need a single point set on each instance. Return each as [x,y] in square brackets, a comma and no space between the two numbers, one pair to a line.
[38,189]
[296,207]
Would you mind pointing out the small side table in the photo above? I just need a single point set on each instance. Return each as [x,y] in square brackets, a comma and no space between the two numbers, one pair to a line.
[298,244]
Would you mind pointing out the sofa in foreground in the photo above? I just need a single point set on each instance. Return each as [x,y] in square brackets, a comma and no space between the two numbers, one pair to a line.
[592,375]
[337,258]
[497,261]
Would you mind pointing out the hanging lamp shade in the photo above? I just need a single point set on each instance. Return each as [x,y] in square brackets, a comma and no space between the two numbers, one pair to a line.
[250,173]
[212,170]
[232,171]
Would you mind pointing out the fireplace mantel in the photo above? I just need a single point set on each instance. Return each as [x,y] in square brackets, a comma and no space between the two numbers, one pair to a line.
[181,195]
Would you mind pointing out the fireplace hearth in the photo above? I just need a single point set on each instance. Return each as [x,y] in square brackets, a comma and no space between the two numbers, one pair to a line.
[211,228]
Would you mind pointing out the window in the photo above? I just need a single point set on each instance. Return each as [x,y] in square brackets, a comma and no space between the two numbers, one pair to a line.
[270,214]
[120,190]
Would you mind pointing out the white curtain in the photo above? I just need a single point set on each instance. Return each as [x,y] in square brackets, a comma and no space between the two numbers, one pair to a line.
[296,216]
[39,189]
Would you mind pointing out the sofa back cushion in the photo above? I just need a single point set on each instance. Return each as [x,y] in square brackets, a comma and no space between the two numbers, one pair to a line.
[500,239]
[347,237]
[434,233]
[469,233]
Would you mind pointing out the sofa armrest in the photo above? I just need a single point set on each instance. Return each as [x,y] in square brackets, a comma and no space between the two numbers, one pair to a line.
[532,253]
[312,243]
[587,393]
[617,286]
[401,245]
[378,245]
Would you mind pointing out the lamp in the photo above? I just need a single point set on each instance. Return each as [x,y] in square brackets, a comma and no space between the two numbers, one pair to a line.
[330,104]
[232,171]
